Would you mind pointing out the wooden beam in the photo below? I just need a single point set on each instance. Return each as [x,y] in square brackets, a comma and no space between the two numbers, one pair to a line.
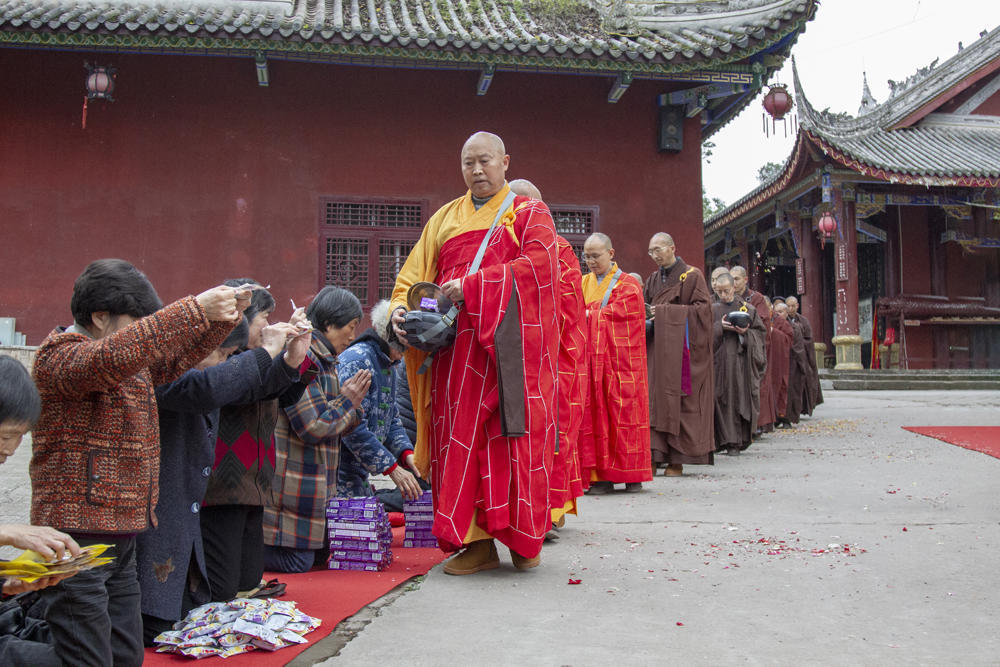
[485,79]
[622,82]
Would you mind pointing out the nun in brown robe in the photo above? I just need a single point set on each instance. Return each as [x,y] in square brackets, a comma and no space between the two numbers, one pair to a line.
[779,354]
[798,369]
[681,395]
[739,366]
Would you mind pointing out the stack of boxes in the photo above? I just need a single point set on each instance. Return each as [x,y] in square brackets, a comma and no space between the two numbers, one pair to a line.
[360,535]
[419,521]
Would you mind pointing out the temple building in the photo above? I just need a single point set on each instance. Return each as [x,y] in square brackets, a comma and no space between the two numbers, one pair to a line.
[306,142]
[887,223]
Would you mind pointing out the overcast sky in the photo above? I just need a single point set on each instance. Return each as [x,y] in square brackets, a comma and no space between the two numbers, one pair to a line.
[888,39]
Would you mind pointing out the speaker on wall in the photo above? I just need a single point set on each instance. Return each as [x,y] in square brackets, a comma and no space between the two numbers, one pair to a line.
[671,134]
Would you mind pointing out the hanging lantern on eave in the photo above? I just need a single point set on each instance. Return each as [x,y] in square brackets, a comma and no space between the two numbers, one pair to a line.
[99,85]
[778,103]
[826,227]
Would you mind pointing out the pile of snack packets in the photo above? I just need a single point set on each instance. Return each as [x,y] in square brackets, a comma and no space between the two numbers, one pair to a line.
[31,566]
[239,626]
[360,535]
[419,515]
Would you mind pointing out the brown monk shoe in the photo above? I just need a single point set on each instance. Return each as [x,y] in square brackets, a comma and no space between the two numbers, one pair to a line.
[522,563]
[477,556]
[674,470]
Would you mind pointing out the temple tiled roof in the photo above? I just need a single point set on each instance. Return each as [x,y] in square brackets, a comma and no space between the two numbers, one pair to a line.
[655,36]
[901,140]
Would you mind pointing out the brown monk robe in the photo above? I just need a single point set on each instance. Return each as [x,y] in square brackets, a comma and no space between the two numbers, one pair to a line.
[778,361]
[763,306]
[679,355]
[814,393]
[768,412]
[798,368]
[739,365]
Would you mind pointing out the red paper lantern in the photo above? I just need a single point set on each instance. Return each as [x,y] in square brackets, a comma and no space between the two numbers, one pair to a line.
[826,226]
[778,101]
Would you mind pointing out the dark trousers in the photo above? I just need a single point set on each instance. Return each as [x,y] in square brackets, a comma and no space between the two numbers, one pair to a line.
[25,639]
[94,616]
[233,539]
[287,559]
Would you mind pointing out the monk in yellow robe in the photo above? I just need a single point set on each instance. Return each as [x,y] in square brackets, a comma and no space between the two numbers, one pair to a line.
[615,435]
[486,408]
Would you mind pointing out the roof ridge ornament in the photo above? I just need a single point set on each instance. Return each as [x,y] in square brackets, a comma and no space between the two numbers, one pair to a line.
[868,101]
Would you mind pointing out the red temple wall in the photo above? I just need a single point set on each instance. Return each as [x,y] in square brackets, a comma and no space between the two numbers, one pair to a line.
[991,107]
[916,251]
[197,174]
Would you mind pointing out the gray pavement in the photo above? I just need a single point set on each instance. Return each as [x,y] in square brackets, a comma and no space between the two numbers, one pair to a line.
[847,541]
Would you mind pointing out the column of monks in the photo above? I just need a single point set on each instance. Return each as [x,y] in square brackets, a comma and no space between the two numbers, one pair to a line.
[559,384]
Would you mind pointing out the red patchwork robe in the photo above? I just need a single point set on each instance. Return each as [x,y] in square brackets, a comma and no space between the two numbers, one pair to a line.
[566,481]
[486,483]
[615,435]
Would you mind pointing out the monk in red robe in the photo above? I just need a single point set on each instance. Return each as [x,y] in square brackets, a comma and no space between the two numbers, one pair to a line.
[566,483]
[616,427]
[758,301]
[679,352]
[779,355]
[487,407]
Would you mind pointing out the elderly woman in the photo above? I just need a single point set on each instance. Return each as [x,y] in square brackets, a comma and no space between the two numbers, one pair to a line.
[307,439]
[378,444]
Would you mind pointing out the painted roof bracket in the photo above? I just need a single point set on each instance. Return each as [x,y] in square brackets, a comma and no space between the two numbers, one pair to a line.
[263,77]
[485,79]
[622,82]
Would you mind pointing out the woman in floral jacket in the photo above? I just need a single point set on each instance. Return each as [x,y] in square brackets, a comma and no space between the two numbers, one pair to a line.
[379,444]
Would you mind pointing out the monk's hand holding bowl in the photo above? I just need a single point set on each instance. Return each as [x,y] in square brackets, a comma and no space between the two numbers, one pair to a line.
[453,290]
[397,319]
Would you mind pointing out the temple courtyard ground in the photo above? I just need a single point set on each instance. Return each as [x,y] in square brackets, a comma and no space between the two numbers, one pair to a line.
[846,541]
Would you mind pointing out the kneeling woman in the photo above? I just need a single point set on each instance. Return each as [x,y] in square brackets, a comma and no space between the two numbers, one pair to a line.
[307,439]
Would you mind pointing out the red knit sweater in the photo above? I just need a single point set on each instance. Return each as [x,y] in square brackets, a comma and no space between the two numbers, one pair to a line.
[96,449]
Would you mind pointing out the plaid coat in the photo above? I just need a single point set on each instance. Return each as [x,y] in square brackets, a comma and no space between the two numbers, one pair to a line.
[307,452]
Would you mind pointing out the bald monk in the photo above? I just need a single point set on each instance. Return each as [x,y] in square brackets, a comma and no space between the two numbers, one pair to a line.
[813,395]
[679,353]
[779,356]
[565,481]
[757,300]
[486,408]
[797,368]
[739,365]
[615,432]
[716,272]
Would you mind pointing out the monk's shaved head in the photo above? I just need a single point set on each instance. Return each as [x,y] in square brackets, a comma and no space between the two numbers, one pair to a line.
[486,137]
[662,238]
[724,280]
[738,271]
[781,308]
[603,239]
[718,271]
[525,188]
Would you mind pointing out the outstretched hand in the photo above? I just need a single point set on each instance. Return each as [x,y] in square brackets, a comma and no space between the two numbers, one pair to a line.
[406,483]
[223,303]
[48,542]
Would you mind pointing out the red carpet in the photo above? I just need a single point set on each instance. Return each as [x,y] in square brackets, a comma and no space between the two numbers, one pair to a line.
[331,595]
[985,439]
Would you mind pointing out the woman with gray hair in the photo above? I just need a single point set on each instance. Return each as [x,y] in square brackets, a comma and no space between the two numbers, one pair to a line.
[379,444]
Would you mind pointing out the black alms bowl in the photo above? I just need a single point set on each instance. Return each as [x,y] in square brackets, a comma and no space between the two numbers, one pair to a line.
[739,319]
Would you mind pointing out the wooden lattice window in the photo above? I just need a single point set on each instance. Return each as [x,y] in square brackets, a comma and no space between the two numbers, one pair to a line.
[364,243]
[575,224]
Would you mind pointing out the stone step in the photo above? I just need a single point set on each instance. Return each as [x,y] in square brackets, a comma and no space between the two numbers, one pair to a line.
[904,383]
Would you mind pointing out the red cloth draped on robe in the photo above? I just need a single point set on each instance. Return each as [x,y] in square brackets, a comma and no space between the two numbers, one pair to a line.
[566,480]
[482,480]
[616,422]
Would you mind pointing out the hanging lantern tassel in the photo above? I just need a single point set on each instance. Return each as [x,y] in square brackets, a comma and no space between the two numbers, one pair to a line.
[83,121]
